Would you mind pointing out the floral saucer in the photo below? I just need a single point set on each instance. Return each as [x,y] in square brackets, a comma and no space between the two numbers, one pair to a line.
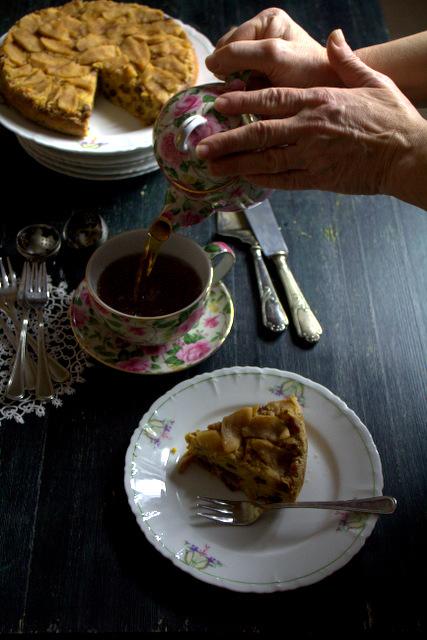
[204,338]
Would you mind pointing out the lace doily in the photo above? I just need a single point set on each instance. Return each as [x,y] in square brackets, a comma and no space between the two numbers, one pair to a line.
[61,345]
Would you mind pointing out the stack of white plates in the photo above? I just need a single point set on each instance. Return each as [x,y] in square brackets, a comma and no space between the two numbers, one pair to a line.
[116,148]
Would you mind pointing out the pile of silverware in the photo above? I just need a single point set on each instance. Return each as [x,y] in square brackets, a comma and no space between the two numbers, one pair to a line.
[37,243]
[17,301]
[257,227]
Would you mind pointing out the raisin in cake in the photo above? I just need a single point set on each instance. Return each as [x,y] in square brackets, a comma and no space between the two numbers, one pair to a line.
[53,61]
[261,450]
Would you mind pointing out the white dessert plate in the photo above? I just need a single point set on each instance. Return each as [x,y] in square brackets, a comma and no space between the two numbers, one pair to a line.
[284,549]
[112,129]
[90,162]
[144,165]
[85,174]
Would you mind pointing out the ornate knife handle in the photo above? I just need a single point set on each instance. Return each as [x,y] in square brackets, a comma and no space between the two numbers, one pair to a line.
[306,323]
[273,314]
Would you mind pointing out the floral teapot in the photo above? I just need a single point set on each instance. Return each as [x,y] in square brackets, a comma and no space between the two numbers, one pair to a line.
[194,194]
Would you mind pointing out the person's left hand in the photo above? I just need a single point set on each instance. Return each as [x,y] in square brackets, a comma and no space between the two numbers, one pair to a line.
[347,140]
[275,47]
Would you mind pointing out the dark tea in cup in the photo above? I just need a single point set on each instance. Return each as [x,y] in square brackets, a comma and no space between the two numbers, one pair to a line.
[172,285]
[168,302]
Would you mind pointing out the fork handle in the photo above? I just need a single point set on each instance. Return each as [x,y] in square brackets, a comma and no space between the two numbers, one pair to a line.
[378,504]
[273,314]
[57,371]
[16,385]
[44,387]
[30,366]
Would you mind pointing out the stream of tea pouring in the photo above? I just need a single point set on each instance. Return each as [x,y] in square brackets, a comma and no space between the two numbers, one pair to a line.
[157,234]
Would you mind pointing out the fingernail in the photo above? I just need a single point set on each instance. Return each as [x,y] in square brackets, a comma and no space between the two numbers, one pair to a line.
[337,37]
[202,151]
[221,103]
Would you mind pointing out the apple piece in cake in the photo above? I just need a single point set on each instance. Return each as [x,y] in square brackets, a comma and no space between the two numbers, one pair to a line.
[260,450]
[53,61]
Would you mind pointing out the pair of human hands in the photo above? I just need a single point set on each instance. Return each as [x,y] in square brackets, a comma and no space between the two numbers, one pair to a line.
[328,121]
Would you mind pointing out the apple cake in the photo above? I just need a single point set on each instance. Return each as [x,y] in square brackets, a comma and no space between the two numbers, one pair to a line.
[53,60]
[261,450]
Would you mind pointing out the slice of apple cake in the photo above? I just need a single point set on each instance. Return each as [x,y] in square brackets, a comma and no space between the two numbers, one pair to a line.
[261,450]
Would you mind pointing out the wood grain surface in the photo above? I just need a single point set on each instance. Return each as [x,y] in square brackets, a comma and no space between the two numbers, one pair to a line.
[72,558]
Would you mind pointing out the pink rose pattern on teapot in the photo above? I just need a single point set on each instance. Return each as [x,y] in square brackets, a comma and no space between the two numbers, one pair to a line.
[194,194]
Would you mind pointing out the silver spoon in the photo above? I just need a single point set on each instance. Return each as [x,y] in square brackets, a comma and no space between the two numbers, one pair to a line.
[36,243]
[84,230]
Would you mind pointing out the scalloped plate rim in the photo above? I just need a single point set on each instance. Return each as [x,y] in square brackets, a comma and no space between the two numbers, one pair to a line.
[16,123]
[235,585]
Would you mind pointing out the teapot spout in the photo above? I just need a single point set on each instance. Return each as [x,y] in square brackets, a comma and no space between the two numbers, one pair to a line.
[160,229]
[181,211]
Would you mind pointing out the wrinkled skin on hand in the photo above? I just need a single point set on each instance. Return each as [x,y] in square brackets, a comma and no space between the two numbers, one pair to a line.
[361,139]
[275,46]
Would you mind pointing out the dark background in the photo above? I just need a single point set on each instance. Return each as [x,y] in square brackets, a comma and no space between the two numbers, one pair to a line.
[72,558]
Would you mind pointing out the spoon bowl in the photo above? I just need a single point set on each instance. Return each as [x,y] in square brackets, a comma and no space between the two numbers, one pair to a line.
[85,230]
[38,242]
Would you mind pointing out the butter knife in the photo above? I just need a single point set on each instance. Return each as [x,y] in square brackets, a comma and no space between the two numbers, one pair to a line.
[266,230]
[234,224]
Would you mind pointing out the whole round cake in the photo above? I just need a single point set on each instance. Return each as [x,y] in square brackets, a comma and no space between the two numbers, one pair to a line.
[53,61]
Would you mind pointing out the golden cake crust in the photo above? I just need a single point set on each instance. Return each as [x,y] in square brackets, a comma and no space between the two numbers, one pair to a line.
[53,60]
[261,450]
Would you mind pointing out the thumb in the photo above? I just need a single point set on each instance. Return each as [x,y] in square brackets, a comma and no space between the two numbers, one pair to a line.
[352,71]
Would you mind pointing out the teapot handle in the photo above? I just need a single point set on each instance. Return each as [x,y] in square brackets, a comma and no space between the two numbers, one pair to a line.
[237,81]
[186,129]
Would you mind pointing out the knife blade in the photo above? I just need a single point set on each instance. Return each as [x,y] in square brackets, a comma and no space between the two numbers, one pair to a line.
[266,230]
[235,225]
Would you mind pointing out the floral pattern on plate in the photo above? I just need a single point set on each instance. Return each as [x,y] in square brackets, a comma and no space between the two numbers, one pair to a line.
[203,339]
[284,550]
[198,557]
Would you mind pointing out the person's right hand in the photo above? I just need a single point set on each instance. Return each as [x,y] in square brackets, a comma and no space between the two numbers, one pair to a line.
[274,45]
[366,138]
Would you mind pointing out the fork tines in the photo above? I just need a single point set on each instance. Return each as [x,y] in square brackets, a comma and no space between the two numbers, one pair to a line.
[7,283]
[213,509]
[215,501]
[7,279]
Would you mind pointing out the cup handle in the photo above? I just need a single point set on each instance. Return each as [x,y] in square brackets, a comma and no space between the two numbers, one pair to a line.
[222,258]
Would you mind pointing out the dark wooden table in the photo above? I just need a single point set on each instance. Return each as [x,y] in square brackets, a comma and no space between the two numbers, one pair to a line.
[72,558]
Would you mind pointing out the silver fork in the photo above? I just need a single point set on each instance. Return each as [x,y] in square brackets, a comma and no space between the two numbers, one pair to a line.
[244,512]
[36,296]
[8,295]
[16,386]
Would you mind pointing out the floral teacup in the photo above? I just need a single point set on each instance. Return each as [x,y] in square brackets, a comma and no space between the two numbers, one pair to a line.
[211,263]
